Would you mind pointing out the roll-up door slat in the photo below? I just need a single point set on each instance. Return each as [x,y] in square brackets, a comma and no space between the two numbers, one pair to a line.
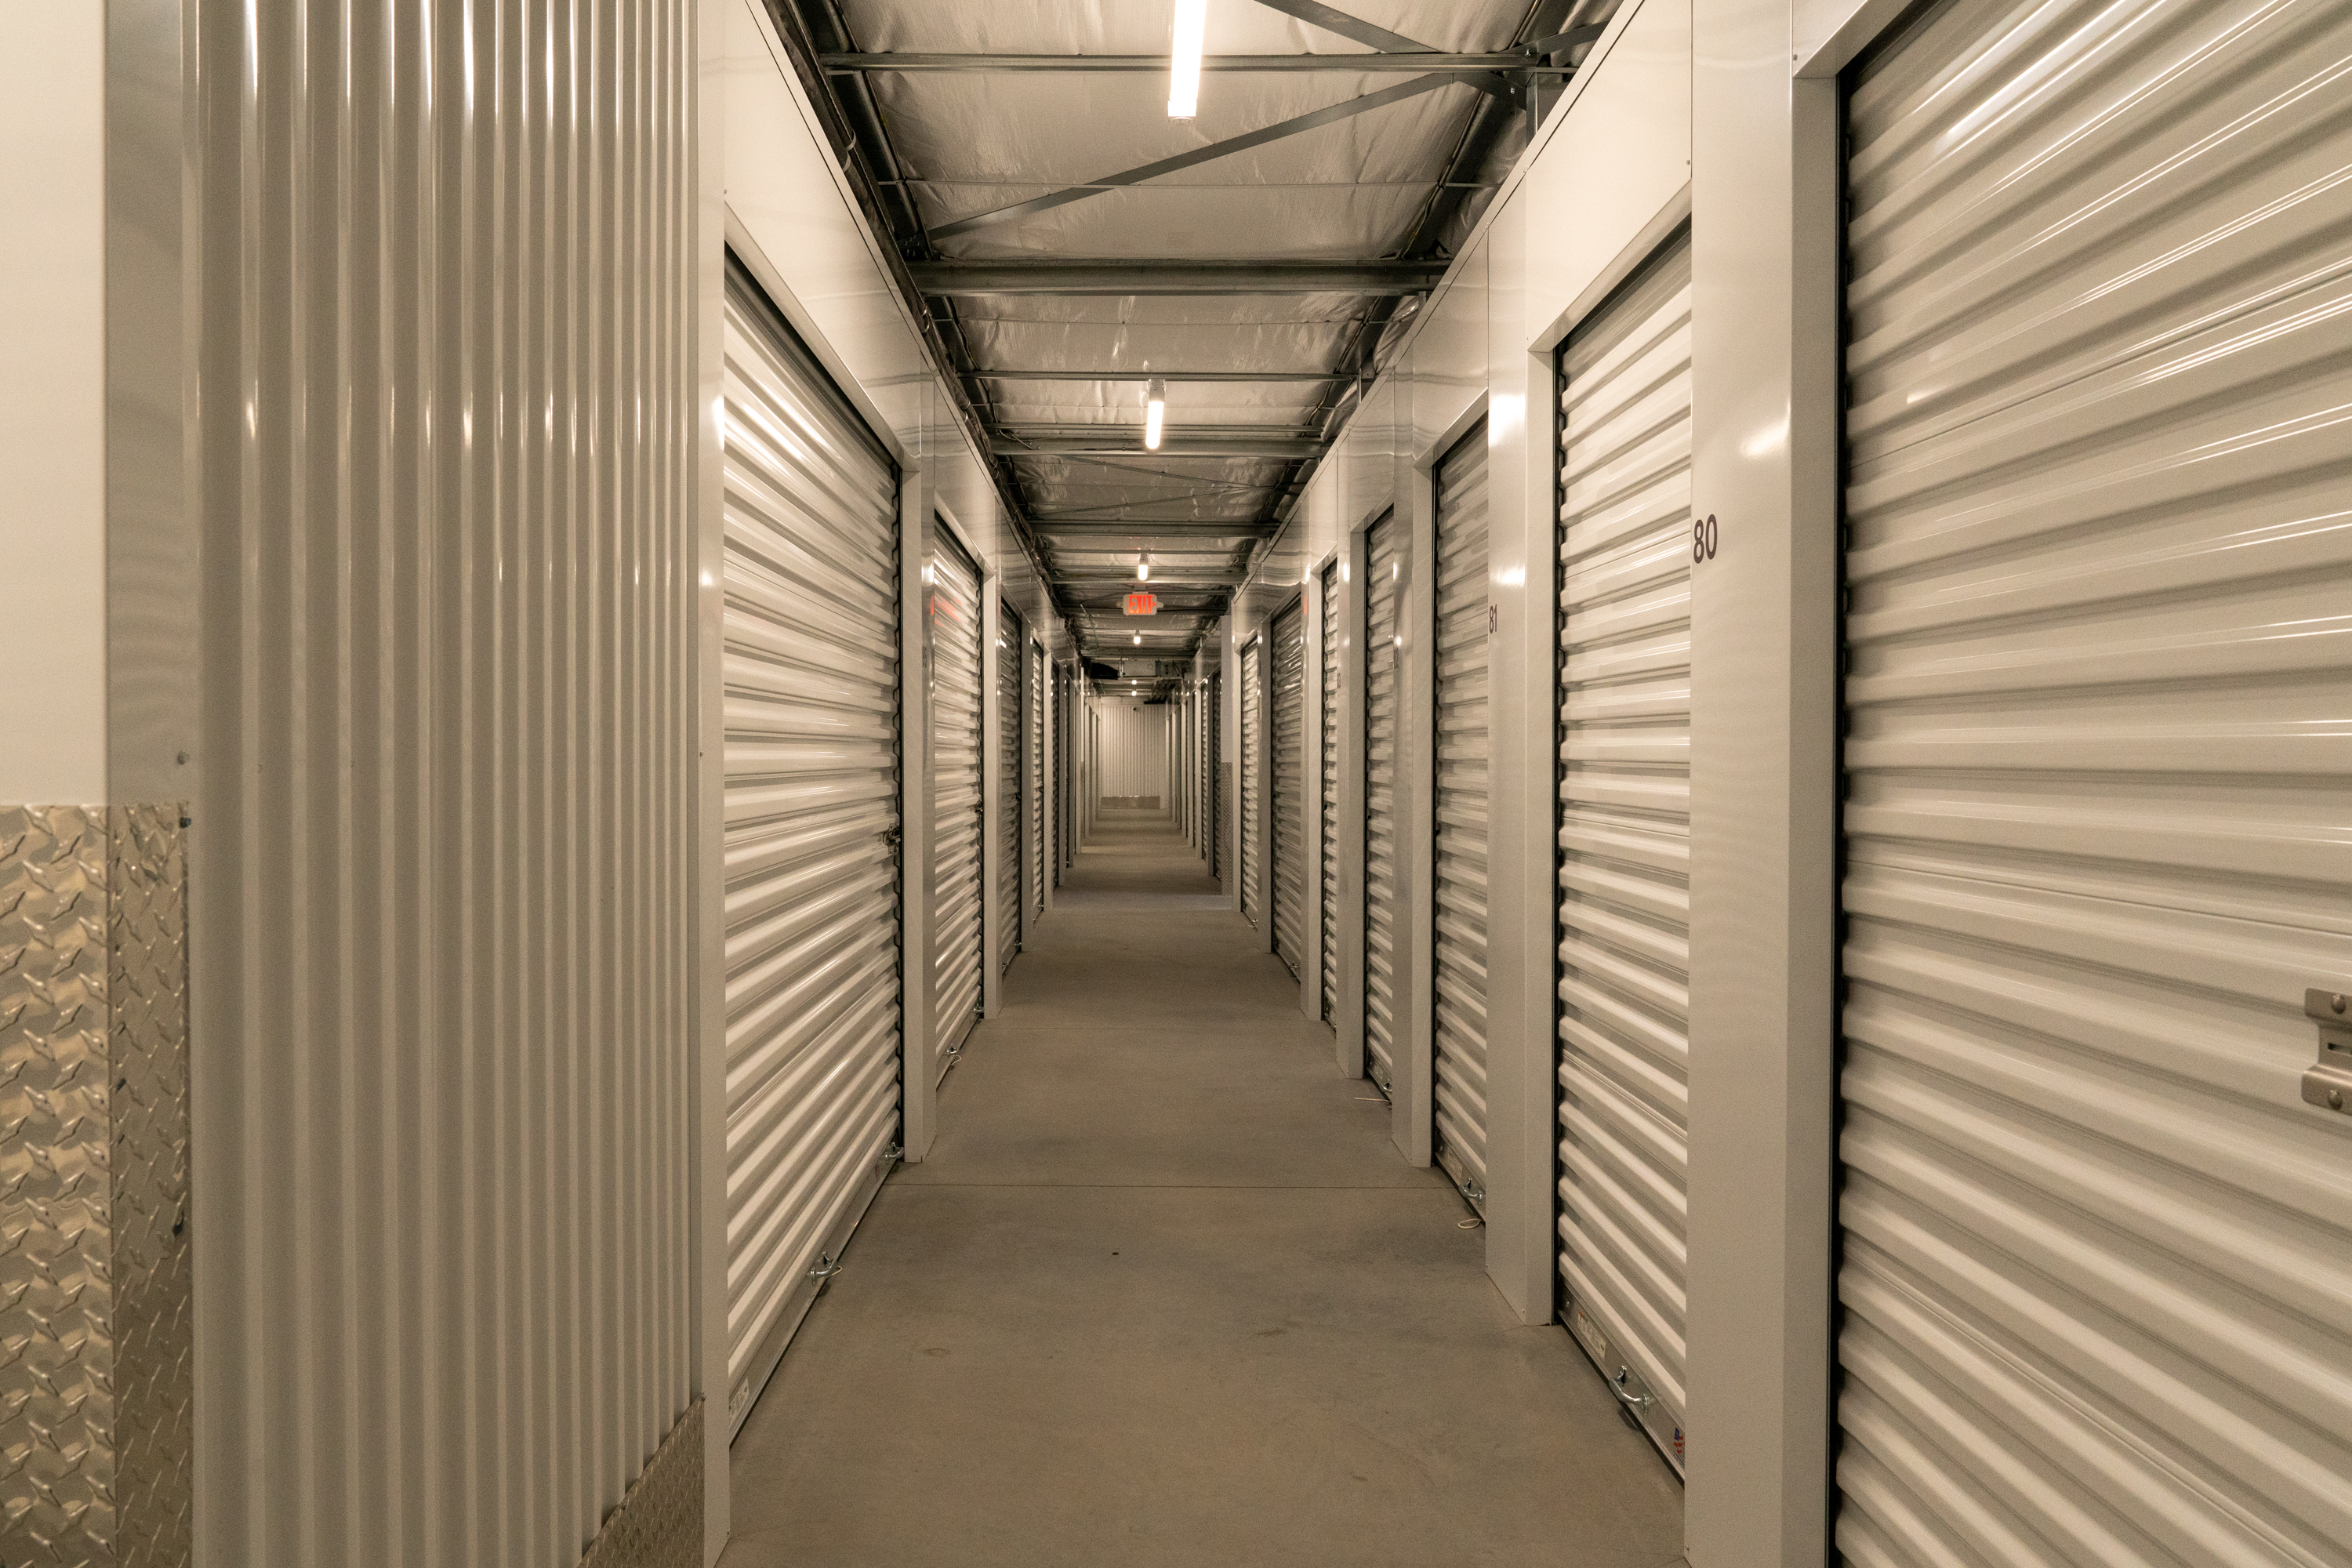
[1252,790]
[1624,835]
[1328,754]
[1012,749]
[958,961]
[810,818]
[2096,1249]
[1382,596]
[1289,698]
[1458,926]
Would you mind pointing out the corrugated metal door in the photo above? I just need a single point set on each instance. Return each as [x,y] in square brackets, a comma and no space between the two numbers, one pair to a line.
[1252,794]
[1328,760]
[1289,698]
[1383,604]
[1010,809]
[2096,1262]
[957,953]
[1458,921]
[811,636]
[1624,834]
[1215,720]
[1034,852]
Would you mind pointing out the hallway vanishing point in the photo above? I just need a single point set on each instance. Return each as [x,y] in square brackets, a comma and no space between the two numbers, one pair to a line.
[1165,1293]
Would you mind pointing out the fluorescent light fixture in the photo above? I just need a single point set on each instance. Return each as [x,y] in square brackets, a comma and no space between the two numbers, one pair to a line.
[1139,639]
[1155,414]
[1184,59]
[1143,567]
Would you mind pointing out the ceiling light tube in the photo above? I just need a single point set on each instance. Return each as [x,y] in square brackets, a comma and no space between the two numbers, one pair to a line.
[1184,59]
[1143,567]
[1155,414]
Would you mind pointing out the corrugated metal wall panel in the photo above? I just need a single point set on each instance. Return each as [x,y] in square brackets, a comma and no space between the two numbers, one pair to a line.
[1383,611]
[443,868]
[1252,790]
[1458,923]
[811,697]
[1624,834]
[2097,1253]
[1010,808]
[1289,777]
[958,958]
[1213,722]
[1328,760]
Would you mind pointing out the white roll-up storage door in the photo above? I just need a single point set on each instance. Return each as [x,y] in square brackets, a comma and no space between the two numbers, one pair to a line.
[958,961]
[1253,791]
[1288,695]
[1328,759]
[811,702]
[1383,693]
[1458,921]
[1010,809]
[1214,727]
[2096,1249]
[1033,851]
[1624,835]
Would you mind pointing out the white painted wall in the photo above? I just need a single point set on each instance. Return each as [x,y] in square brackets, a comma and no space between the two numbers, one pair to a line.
[53,404]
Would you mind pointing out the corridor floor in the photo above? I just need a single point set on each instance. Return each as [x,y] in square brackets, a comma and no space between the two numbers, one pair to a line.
[1164,1293]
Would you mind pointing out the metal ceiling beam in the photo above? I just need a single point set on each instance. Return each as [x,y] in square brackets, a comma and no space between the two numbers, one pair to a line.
[1462,65]
[1235,377]
[1200,278]
[1278,131]
[1254,528]
[1113,445]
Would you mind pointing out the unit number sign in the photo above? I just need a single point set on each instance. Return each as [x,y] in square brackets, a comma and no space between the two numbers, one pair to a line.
[1703,539]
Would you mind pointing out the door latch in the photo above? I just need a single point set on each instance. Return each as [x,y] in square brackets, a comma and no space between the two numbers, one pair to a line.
[2329,1083]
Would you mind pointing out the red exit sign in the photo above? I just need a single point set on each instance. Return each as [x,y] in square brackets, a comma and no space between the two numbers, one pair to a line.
[1142,604]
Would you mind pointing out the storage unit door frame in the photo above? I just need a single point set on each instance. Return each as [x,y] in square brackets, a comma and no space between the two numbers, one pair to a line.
[1384,547]
[2096,1245]
[1252,787]
[814,992]
[1457,949]
[1624,424]
[1327,762]
[1286,776]
[959,955]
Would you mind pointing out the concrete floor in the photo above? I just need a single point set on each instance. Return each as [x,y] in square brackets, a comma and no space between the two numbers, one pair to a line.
[1165,1293]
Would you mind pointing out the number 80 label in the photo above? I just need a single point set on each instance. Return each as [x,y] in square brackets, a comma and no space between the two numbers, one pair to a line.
[1703,538]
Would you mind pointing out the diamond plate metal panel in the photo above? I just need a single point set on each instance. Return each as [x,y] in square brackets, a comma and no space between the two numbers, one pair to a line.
[57,1398]
[147,1036]
[658,1523]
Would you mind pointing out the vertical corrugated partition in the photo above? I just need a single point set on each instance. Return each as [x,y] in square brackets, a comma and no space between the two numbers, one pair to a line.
[1010,808]
[441,876]
[1288,695]
[1624,835]
[2096,1262]
[1458,923]
[1383,607]
[811,704]
[958,958]
[1328,761]
[1252,790]
[1033,859]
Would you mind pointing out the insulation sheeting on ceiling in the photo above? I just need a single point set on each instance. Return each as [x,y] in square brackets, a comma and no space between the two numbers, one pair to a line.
[967,143]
